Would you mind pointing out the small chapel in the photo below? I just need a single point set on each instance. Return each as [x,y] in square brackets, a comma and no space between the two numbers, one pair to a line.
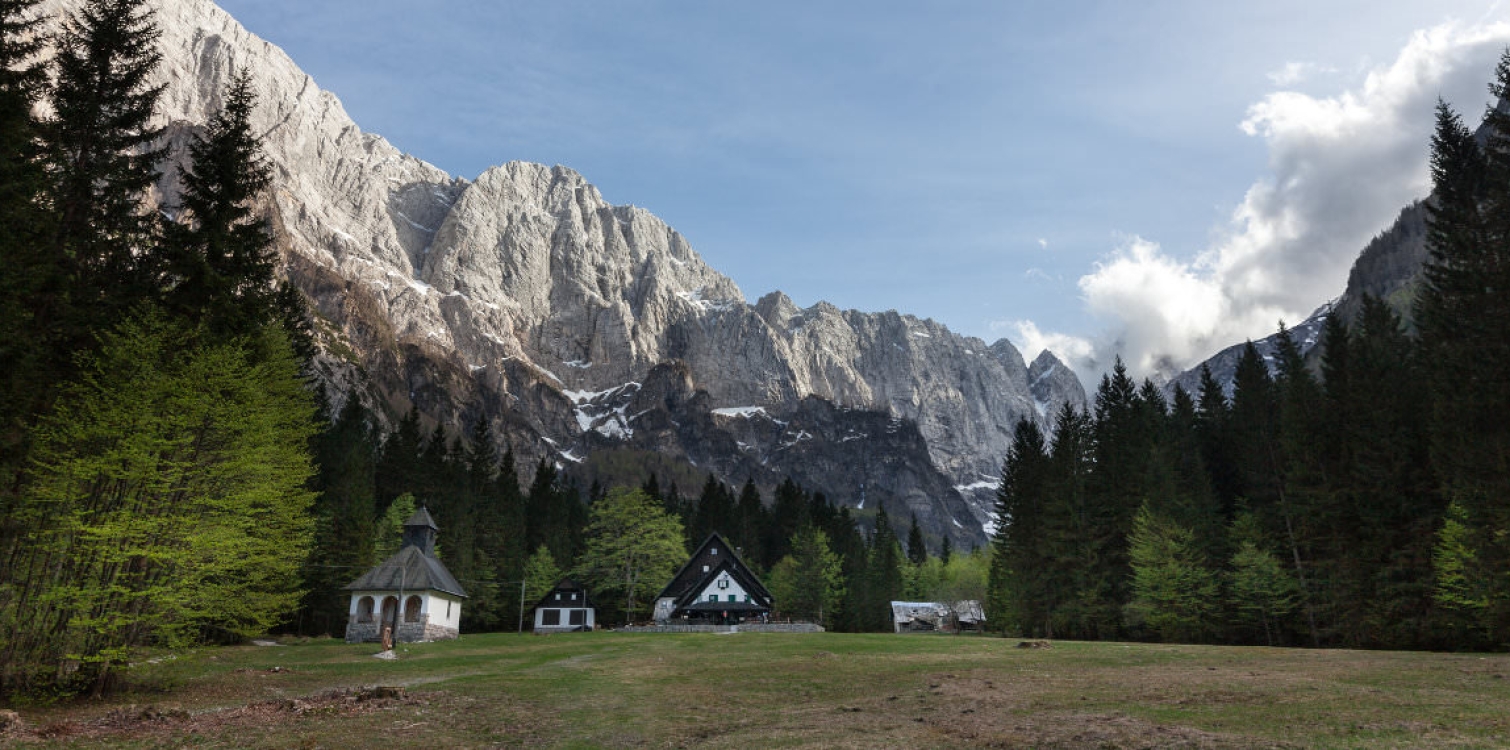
[715,587]
[410,595]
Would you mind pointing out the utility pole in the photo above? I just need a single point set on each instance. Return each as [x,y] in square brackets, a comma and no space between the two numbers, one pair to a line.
[521,606]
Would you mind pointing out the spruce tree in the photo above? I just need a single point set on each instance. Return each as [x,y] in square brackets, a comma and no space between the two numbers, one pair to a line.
[31,285]
[1016,598]
[217,256]
[883,574]
[344,518]
[1463,315]
[917,550]
[102,153]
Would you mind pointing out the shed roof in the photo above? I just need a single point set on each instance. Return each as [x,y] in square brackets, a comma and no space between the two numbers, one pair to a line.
[410,570]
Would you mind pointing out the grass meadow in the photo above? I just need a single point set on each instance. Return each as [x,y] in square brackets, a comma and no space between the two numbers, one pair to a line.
[612,690]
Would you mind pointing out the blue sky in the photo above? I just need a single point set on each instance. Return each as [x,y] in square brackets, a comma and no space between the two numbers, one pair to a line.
[1155,179]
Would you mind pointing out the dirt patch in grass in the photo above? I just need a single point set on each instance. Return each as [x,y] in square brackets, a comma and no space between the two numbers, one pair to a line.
[241,726]
[987,712]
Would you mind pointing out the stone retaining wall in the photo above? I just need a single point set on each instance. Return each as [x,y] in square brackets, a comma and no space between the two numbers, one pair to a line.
[791,627]
[408,632]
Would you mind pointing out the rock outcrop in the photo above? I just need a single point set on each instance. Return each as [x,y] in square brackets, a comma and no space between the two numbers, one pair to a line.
[525,298]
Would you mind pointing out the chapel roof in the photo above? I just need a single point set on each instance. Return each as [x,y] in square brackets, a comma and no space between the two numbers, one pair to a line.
[410,569]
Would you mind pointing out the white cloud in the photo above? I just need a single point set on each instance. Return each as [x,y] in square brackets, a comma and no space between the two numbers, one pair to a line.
[1341,168]
[1297,72]
[1072,350]
[1043,243]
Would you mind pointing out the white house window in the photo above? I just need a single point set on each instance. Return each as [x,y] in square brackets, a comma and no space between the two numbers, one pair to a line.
[714,551]
[448,609]
[558,597]
[723,583]
[573,597]
[705,568]
[713,597]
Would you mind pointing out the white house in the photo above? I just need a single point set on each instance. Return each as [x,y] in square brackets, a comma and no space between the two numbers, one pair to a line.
[565,609]
[412,581]
[714,586]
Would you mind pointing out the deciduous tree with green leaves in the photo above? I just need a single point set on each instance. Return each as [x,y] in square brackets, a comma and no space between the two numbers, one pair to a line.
[633,544]
[1174,592]
[168,502]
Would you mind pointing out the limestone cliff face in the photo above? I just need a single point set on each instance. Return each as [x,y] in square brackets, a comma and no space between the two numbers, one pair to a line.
[526,298]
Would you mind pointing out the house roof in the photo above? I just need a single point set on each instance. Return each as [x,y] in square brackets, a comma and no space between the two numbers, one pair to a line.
[714,553]
[410,570]
[566,586]
[968,610]
[741,575]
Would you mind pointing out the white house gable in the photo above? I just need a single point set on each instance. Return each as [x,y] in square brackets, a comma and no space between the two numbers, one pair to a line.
[723,588]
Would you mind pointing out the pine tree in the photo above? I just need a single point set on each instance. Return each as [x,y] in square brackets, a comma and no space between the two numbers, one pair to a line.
[29,287]
[750,526]
[809,583]
[1463,315]
[344,518]
[917,550]
[398,467]
[1014,599]
[217,255]
[1070,551]
[883,574]
[102,152]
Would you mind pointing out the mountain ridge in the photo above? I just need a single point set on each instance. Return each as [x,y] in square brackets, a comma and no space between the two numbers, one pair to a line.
[523,297]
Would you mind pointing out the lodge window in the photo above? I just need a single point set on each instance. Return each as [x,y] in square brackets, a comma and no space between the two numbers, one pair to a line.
[713,597]
[364,609]
[411,609]
[723,583]
[558,597]
[551,617]
[733,598]
[714,551]
[578,617]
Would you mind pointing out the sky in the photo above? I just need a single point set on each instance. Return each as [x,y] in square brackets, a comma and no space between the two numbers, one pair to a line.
[1153,180]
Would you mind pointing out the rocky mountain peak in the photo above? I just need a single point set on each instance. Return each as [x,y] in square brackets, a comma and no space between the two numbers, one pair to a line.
[574,325]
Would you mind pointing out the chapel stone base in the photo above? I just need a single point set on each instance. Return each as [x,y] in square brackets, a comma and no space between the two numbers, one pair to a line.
[408,632]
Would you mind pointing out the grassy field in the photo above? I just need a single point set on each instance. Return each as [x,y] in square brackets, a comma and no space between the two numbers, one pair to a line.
[768,690]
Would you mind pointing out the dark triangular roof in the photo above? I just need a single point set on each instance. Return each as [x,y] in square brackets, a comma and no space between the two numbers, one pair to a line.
[736,570]
[421,517]
[567,585]
[692,574]
[411,570]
